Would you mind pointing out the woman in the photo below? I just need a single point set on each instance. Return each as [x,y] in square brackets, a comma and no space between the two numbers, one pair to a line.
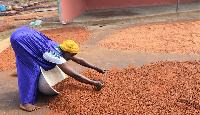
[34,50]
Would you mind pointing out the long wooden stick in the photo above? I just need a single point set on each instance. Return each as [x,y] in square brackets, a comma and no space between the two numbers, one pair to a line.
[104,76]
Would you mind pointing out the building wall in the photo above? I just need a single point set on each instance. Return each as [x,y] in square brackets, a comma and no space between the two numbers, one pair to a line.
[72,8]
[103,4]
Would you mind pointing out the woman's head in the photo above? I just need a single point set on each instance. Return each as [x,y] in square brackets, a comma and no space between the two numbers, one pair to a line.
[69,46]
[69,49]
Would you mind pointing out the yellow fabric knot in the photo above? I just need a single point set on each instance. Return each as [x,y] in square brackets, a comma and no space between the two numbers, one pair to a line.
[69,46]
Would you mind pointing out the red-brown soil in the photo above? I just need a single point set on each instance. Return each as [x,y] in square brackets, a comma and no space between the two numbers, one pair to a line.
[174,37]
[9,22]
[25,16]
[5,27]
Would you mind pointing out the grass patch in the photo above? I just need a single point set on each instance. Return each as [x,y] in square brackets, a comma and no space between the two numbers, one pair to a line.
[6,34]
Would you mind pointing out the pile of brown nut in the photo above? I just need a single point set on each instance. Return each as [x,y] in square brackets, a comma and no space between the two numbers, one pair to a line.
[169,87]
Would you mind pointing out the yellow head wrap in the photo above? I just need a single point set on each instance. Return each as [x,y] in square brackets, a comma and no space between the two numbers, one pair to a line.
[69,46]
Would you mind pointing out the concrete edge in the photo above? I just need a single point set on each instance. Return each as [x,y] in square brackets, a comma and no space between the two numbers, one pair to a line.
[5,43]
[115,20]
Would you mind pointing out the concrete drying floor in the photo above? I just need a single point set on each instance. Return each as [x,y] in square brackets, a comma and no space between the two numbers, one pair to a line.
[105,58]
[144,14]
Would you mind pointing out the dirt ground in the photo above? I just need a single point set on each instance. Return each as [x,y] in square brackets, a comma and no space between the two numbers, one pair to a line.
[11,22]
[165,87]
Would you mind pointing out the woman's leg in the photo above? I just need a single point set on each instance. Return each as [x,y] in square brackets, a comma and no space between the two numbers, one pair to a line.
[28,74]
[27,82]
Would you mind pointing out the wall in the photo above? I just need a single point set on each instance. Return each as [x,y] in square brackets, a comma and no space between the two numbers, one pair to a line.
[103,4]
[72,8]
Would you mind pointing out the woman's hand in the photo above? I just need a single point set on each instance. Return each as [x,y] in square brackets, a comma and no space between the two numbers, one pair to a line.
[100,70]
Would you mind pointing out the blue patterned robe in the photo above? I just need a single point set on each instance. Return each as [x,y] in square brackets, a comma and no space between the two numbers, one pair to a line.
[29,46]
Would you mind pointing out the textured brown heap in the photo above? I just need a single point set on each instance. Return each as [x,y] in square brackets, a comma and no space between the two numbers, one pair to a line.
[169,87]
[173,37]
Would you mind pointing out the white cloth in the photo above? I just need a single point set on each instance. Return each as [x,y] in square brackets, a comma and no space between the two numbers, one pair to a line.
[53,57]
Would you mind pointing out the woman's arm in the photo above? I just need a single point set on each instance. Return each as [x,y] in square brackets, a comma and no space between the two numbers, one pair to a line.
[85,63]
[72,73]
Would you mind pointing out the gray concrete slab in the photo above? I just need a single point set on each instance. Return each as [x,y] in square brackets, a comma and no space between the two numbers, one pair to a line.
[100,16]
[98,22]
[9,97]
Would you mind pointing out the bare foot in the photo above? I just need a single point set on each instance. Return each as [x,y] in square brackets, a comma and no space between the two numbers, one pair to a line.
[99,85]
[29,107]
